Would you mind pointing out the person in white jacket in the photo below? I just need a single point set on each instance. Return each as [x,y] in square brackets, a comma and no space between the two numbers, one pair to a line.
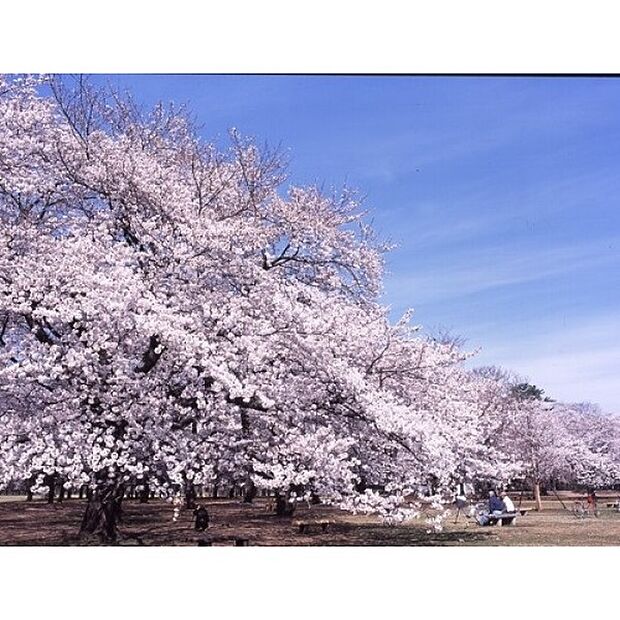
[510,507]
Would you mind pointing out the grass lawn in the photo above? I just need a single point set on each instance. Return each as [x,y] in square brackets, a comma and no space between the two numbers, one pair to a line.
[38,523]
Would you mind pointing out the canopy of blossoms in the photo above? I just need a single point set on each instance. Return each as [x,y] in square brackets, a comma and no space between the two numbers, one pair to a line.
[173,313]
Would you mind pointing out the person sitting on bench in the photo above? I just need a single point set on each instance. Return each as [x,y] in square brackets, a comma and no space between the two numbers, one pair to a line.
[495,503]
[508,504]
[496,507]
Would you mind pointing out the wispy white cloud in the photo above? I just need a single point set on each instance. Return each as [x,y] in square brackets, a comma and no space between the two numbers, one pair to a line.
[578,363]
[476,211]
[478,270]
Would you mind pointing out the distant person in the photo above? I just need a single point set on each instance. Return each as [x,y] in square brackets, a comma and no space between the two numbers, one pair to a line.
[460,500]
[461,495]
[508,503]
[496,507]
[592,502]
[202,519]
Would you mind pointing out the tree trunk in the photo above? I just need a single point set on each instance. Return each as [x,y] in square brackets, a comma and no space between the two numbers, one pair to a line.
[284,508]
[560,499]
[29,482]
[144,494]
[537,495]
[50,481]
[103,513]
[249,491]
[190,496]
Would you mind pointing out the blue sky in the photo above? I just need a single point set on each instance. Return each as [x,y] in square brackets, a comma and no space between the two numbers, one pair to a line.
[501,193]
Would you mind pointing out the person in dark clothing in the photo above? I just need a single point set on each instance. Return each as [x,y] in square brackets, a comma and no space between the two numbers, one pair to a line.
[202,519]
[495,503]
[496,506]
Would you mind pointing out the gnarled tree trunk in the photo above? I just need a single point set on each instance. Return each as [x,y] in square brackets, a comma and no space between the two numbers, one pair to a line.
[103,513]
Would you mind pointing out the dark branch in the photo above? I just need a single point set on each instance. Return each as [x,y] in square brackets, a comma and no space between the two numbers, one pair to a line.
[151,355]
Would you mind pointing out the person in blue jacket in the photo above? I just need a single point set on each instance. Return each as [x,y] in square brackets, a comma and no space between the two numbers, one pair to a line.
[496,506]
[495,503]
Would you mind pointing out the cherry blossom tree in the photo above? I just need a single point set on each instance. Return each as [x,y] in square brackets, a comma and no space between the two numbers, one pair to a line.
[551,441]
[171,315]
[592,459]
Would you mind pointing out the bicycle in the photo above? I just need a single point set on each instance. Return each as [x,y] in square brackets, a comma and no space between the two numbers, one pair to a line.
[580,510]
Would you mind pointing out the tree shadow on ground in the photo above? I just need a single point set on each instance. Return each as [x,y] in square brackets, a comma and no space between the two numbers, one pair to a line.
[403,535]
[151,524]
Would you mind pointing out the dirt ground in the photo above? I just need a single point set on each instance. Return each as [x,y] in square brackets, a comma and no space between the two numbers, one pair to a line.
[38,523]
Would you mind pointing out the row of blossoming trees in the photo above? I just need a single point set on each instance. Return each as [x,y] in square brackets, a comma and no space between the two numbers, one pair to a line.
[170,314]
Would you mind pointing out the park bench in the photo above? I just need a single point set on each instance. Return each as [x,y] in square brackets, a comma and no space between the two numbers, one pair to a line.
[306,526]
[235,541]
[505,518]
